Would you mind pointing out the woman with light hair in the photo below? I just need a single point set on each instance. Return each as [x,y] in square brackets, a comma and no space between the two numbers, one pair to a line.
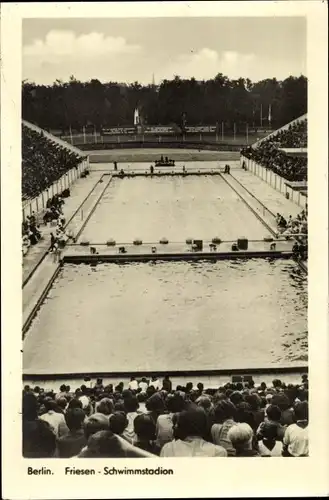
[241,437]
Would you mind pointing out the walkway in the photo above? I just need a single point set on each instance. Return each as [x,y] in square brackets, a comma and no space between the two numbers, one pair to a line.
[265,193]
[33,289]
[79,191]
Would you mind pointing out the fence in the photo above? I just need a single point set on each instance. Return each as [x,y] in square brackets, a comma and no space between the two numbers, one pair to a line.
[275,181]
[38,204]
[241,140]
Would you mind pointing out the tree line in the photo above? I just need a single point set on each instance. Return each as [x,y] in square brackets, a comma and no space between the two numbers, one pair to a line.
[175,102]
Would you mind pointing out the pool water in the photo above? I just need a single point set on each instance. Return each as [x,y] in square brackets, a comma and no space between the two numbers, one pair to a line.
[171,316]
[172,207]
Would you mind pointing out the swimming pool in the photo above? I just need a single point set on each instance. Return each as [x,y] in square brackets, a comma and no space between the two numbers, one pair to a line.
[170,316]
[199,207]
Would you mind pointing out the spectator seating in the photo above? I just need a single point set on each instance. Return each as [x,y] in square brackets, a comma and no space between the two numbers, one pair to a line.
[149,418]
[269,155]
[43,162]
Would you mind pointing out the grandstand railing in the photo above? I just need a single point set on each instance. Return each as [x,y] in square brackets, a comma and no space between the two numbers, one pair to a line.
[274,180]
[285,127]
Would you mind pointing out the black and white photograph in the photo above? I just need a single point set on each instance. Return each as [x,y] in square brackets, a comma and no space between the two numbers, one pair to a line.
[165,269]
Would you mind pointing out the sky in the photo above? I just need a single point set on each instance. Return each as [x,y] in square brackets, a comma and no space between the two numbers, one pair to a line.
[128,50]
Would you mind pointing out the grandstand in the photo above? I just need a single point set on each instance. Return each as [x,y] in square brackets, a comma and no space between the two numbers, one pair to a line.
[165,395]
[270,151]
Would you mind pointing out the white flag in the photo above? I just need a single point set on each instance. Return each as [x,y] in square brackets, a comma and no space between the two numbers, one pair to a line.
[269,114]
[136,117]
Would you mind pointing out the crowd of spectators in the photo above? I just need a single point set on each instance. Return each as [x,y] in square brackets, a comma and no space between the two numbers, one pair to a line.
[150,418]
[269,155]
[293,225]
[295,136]
[32,228]
[43,162]
[296,228]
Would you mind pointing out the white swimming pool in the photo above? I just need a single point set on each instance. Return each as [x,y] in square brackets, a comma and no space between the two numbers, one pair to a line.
[200,207]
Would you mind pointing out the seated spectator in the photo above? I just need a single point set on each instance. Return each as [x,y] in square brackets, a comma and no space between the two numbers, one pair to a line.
[271,444]
[145,434]
[143,385]
[118,422]
[273,418]
[133,384]
[175,403]
[142,398]
[105,406]
[155,405]
[190,428]
[287,412]
[72,443]
[224,414]
[166,384]
[105,444]
[131,406]
[155,382]
[92,425]
[295,440]
[55,420]
[39,440]
[241,437]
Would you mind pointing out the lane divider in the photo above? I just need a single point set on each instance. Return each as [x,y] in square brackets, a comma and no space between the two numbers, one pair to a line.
[77,236]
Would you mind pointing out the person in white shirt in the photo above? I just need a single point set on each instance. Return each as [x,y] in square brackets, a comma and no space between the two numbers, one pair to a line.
[131,407]
[270,445]
[155,382]
[190,428]
[295,439]
[175,403]
[133,384]
[54,419]
[143,384]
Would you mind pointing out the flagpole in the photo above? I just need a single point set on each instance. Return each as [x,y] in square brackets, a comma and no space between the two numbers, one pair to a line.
[247,137]
[261,115]
[84,134]
[71,135]
[95,134]
[222,131]
[234,131]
